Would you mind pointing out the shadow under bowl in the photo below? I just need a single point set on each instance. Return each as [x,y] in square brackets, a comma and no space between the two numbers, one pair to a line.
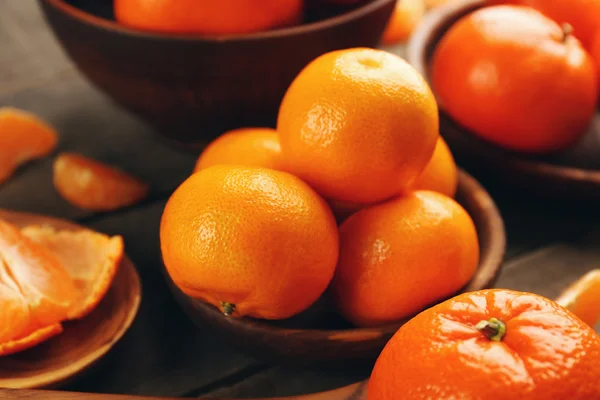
[193,88]
[573,173]
[320,334]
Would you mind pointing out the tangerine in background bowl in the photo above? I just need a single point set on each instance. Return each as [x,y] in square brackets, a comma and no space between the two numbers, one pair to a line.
[191,88]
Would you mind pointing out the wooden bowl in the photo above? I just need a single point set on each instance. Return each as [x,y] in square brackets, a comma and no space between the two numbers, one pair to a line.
[191,88]
[319,334]
[573,173]
[82,342]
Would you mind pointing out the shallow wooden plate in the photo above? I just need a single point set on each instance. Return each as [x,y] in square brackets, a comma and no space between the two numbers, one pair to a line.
[573,173]
[83,342]
[319,334]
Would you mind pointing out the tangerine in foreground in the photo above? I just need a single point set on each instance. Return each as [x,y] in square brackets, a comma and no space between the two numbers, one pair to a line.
[250,241]
[398,257]
[246,146]
[207,17]
[95,186]
[359,125]
[490,344]
[515,78]
[23,138]
[596,54]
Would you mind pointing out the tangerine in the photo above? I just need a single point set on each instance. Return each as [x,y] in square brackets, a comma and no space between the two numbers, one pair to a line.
[251,241]
[596,54]
[398,257]
[582,15]
[583,298]
[358,125]
[95,186]
[515,78]
[246,146]
[406,16]
[207,17]
[23,137]
[441,174]
[490,344]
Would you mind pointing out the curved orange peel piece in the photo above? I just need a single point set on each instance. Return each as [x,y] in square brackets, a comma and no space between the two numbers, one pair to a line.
[33,339]
[23,138]
[583,298]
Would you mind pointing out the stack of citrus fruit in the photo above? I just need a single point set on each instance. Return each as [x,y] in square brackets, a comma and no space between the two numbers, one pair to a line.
[252,230]
[519,79]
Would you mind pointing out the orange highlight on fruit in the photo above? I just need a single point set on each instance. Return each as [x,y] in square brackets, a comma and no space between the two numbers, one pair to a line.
[398,257]
[515,78]
[47,277]
[94,186]
[441,174]
[23,138]
[490,344]
[583,298]
[405,18]
[358,125]
[582,15]
[208,17]
[250,241]
[257,147]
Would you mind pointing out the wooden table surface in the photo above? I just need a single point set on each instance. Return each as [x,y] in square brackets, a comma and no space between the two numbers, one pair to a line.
[550,243]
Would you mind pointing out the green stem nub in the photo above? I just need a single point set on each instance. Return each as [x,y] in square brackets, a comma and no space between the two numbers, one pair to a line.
[493,329]
[228,308]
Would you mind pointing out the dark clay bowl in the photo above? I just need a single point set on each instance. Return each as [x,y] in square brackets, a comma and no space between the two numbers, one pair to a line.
[319,334]
[192,88]
[573,173]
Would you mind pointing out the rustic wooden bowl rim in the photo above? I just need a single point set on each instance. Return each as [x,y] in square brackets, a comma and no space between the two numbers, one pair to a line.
[417,51]
[490,265]
[102,23]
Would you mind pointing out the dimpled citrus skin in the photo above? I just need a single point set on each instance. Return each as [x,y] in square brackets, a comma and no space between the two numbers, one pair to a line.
[260,239]
[509,75]
[246,146]
[400,256]
[358,125]
[547,353]
[207,17]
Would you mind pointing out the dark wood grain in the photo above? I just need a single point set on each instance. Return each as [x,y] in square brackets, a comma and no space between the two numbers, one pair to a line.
[319,335]
[194,88]
[572,173]
[83,342]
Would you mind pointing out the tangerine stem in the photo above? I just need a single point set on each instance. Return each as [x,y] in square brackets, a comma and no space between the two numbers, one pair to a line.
[228,308]
[567,30]
[493,329]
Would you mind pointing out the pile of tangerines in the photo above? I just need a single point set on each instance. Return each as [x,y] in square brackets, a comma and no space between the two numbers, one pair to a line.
[254,231]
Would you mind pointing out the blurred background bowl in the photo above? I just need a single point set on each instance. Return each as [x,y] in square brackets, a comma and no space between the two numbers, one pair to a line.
[192,88]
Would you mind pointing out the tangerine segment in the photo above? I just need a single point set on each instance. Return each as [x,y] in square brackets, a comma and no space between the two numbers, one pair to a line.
[39,276]
[33,339]
[246,146]
[23,137]
[91,259]
[583,298]
[15,318]
[94,186]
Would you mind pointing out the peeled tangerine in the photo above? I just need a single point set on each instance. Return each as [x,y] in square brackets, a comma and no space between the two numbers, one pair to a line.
[359,125]
[399,257]
[47,277]
[251,241]
[23,137]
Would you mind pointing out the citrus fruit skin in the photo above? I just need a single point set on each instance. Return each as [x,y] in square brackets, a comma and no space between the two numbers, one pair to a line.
[24,137]
[514,78]
[582,15]
[398,257]
[246,146]
[546,353]
[441,174]
[405,18]
[91,185]
[359,125]
[596,54]
[207,17]
[257,239]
